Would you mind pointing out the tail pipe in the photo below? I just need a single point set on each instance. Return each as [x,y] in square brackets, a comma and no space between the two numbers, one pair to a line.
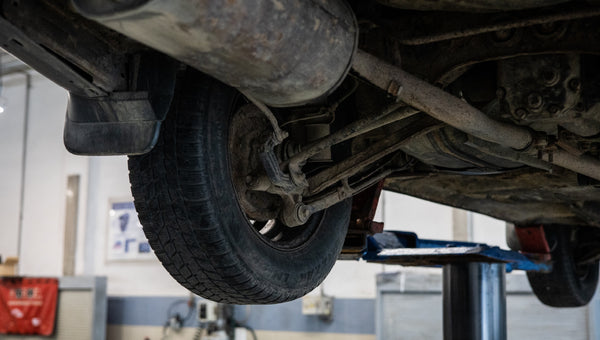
[281,52]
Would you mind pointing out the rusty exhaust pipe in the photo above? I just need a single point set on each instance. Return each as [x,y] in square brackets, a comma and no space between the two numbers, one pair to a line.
[281,52]
[453,111]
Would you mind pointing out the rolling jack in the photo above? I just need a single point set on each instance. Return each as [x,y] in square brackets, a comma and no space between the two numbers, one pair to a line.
[474,278]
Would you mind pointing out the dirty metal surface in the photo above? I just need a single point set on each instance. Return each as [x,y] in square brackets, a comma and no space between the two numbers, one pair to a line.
[442,61]
[443,256]
[523,196]
[545,92]
[283,53]
[412,251]
[469,5]
[95,53]
[438,103]
[420,28]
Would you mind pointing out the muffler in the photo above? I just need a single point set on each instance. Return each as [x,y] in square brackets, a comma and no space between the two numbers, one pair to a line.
[281,52]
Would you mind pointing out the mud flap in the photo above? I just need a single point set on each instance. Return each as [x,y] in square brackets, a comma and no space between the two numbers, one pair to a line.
[123,123]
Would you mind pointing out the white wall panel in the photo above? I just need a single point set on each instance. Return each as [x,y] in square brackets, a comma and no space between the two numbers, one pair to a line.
[489,230]
[427,219]
[11,148]
[45,182]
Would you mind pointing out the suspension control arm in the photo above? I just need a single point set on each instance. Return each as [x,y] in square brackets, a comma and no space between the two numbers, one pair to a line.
[459,114]
[439,104]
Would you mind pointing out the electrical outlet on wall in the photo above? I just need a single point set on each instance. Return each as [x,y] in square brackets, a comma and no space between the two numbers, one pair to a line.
[207,311]
[319,305]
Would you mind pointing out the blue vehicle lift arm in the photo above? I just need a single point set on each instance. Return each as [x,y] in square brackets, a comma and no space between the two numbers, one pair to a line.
[409,250]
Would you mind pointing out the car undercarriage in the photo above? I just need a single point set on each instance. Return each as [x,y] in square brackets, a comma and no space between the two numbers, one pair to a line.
[490,106]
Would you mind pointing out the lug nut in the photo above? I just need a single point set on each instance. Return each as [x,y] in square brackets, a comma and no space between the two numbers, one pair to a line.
[520,113]
[534,100]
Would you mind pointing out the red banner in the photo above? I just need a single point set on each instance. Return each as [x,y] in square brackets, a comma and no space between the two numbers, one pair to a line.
[28,305]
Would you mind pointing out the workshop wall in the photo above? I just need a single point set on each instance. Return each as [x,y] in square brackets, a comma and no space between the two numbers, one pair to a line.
[11,130]
[44,164]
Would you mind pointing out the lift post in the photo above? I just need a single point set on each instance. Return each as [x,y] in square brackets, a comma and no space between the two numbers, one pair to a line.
[474,279]
[474,298]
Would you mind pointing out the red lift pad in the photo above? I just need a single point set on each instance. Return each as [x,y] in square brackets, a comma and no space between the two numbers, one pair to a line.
[533,242]
[28,305]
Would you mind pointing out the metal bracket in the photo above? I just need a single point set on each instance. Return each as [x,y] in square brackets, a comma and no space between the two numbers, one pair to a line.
[271,165]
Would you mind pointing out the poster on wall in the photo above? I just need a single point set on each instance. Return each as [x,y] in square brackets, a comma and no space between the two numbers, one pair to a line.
[126,239]
[28,305]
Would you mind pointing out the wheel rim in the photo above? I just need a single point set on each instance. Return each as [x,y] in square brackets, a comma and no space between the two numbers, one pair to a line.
[248,131]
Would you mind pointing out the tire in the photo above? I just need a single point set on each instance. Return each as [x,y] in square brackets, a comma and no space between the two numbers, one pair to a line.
[187,203]
[568,284]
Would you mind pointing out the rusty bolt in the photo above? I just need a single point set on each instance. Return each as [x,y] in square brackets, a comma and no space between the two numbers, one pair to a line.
[575,84]
[534,100]
[521,113]
[394,88]
[550,77]
[553,109]
[303,212]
